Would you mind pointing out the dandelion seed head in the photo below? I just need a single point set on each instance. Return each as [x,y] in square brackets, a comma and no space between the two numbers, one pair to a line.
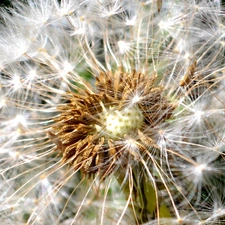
[123,47]
[32,74]
[110,8]
[101,118]
[199,169]
[135,99]
[164,25]
[67,67]
[66,7]
[141,113]
[198,115]
[16,81]
[20,119]
[131,21]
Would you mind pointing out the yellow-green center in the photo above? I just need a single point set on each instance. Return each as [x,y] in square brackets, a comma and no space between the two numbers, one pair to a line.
[115,124]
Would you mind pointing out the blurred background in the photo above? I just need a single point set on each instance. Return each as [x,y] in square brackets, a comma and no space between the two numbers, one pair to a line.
[5,2]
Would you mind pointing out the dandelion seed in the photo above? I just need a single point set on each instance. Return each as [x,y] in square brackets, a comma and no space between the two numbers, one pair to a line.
[199,169]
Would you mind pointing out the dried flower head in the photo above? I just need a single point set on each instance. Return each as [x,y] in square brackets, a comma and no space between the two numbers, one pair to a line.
[112,112]
[102,128]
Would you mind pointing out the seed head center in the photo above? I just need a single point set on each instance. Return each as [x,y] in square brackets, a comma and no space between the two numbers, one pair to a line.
[117,123]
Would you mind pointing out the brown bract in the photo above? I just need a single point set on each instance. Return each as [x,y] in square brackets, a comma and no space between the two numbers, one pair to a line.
[111,125]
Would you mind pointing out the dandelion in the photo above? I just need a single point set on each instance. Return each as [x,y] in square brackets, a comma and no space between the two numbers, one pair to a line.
[93,129]
[112,112]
